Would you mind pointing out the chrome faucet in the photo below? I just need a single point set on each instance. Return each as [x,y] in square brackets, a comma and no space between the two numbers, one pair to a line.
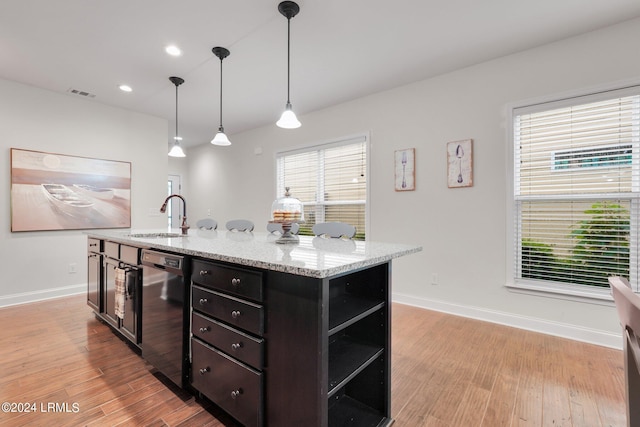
[184,227]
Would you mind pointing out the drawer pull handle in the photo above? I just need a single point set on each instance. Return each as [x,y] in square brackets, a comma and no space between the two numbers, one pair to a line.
[204,272]
[203,301]
[235,281]
[205,329]
[235,314]
[204,370]
[236,393]
[236,346]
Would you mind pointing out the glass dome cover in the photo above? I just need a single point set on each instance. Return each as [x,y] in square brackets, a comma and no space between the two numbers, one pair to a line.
[287,209]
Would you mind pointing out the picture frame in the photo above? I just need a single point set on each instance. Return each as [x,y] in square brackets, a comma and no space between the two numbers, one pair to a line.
[460,163]
[405,169]
[51,191]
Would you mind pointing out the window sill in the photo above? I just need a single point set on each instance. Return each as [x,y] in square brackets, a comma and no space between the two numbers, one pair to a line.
[585,294]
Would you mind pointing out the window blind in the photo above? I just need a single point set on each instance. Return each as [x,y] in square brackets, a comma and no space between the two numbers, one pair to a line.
[576,188]
[330,181]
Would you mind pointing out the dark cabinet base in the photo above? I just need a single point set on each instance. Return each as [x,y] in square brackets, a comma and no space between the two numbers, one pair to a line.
[328,346]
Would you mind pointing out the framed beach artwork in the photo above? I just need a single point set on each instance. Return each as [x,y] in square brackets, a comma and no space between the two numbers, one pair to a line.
[460,163]
[405,169]
[60,192]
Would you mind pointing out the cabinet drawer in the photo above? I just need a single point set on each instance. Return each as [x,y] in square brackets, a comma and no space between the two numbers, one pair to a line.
[243,347]
[234,387]
[241,282]
[112,250]
[94,245]
[233,311]
[129,254]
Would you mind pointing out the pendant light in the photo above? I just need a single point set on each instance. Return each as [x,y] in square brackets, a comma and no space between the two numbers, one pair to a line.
[288,120]
[176,150]
[220,138]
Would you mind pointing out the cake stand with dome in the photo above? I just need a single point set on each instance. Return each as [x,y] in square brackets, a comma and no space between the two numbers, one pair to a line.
[287,211]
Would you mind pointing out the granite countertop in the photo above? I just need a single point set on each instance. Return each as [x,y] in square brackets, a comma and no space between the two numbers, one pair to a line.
[313,256]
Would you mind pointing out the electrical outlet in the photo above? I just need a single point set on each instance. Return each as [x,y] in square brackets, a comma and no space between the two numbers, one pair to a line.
[434,279]
[73,268]
[208,212]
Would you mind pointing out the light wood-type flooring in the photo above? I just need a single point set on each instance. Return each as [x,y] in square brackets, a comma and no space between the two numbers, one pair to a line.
[447,371]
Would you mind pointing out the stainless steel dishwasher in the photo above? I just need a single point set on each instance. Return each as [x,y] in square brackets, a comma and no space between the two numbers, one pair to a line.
[164,313]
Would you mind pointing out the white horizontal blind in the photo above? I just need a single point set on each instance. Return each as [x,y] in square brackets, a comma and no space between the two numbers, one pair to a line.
[576,190]
[330,181]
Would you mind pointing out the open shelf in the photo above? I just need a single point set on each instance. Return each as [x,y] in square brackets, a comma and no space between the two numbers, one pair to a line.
[346,411]
[345,310]
[347,358]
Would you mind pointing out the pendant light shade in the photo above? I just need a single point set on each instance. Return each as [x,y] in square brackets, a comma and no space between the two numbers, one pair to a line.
[221,137]
[288,120]
[176,150]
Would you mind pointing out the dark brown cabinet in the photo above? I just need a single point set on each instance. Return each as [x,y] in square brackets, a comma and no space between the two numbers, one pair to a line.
[227,347]
[328,347]
[279,349]
[358,340]
[104,258]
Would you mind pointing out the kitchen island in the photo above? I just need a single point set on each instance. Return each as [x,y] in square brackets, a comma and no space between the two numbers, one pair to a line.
[280,334]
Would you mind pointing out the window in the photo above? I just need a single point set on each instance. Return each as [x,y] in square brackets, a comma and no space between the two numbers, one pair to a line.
[576,192]
[330,180]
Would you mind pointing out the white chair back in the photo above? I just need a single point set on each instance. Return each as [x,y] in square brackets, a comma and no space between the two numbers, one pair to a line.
[239,225]
[334,229]
[207,224]
[275,227]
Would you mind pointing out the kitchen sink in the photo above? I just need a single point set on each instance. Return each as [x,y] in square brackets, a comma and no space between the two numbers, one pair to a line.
[156,235]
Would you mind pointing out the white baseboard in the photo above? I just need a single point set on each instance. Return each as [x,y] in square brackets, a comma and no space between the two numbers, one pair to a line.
[592,336]
[33,296]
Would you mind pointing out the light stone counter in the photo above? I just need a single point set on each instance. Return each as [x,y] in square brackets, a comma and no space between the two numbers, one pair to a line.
[316,257]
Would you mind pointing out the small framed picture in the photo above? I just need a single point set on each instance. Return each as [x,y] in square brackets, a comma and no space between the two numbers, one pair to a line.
[460,163]
[405,169]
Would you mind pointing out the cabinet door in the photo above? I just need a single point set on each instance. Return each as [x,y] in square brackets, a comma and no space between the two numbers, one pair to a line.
[129,325]
[94,276]
[109,292]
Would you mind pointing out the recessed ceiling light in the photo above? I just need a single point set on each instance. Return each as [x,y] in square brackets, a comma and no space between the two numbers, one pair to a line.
[125,88]
[173,50]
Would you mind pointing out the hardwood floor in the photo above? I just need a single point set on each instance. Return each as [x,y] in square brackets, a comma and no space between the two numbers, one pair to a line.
[453,371]
[447,371]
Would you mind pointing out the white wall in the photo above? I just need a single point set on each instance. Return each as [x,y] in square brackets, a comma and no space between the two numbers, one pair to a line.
[463,231]
[35,265]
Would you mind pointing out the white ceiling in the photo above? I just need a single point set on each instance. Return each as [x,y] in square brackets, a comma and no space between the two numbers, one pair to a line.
[340,49]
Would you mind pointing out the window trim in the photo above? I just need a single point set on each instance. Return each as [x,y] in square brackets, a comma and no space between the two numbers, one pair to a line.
[331,143]
[579,293]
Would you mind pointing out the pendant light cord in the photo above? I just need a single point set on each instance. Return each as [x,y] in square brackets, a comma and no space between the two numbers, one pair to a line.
[220,92]
[176,138]
[288,57]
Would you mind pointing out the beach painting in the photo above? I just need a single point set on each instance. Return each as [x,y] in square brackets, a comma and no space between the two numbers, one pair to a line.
[61,192]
